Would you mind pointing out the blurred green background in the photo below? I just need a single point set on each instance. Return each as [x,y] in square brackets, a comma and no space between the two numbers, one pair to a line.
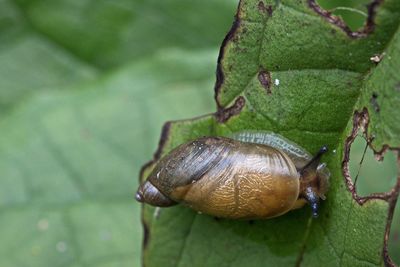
[85,87]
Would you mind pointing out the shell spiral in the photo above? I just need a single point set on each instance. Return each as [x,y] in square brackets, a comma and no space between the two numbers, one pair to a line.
[228,178]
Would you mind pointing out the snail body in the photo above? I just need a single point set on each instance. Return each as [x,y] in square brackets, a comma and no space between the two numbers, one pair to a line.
[249,176]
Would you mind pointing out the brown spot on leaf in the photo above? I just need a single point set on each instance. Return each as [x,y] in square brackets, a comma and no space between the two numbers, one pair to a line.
[270,10]
[223,115]
[232,36]
[335,20]
[261,6]
[265,79]
[374,102]
[265,9]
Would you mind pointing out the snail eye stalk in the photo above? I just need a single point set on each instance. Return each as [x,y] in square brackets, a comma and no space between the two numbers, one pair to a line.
[315,159]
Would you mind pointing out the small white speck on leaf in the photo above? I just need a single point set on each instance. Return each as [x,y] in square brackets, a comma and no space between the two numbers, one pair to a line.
[277,82]
[377,58]
[334,151]
[61,246]
[43,224]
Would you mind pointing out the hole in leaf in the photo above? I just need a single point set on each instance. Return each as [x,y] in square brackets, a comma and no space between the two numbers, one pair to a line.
[353,12]
[373,177]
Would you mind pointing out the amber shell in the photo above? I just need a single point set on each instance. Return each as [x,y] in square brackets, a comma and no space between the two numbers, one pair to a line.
[228,178]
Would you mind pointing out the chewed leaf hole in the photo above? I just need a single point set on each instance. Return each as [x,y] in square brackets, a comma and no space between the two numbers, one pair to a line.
[371,175]
[352,12]
[368,174]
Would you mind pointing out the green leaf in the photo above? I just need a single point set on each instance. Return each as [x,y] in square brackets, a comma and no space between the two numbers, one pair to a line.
[67,158]
[285,67]
[54,45]
[82,99]
[108,33]
[29,62]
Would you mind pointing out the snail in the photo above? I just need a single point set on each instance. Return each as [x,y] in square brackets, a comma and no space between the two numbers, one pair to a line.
[250,175]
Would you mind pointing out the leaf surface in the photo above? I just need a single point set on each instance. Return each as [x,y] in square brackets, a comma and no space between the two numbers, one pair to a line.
[289,67]
[81,108]
[67,158]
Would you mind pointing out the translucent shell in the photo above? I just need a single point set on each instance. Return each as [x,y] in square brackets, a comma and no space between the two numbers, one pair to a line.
[297,154]
[251,175]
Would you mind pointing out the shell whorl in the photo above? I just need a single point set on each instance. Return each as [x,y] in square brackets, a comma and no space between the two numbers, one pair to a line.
[188,163]
[254,175]
[228,178]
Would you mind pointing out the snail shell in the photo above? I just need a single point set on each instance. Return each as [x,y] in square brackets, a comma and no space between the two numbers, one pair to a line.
[233,178]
